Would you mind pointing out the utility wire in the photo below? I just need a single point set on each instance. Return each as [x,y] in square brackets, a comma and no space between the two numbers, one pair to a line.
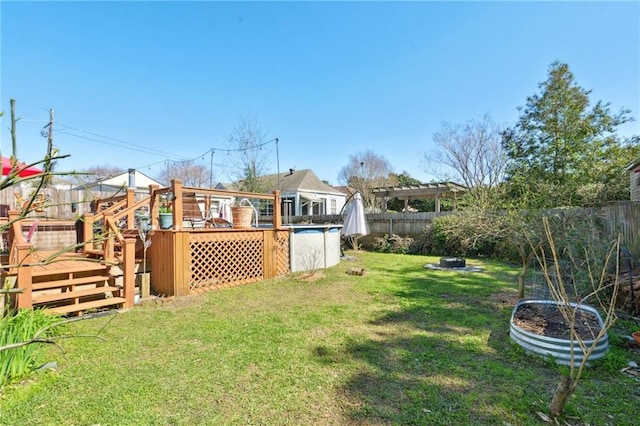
[174,158]
[131,148]
[214,150]
[124,144]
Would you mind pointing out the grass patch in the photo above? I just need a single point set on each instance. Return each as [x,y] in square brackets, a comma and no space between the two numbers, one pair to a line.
[400,345]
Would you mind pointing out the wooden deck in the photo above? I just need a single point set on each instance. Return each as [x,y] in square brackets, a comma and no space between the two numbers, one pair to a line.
[68,262]
[71,283]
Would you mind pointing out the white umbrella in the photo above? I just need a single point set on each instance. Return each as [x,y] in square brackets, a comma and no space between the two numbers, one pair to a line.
[355,224]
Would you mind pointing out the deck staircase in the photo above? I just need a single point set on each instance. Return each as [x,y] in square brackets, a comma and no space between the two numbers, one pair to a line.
[77,283]
[75,286]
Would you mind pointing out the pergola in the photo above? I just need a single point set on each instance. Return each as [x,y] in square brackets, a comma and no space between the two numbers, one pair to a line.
[420,192]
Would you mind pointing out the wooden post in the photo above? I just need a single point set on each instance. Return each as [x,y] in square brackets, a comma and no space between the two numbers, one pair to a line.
[89,219]
[176,187]
[153,207]
[269,253]
[277,210]
[14,215]
[182,262]
[128,271]
[437,203]
[131,199]
[207,211]
[108,244]
[24,280]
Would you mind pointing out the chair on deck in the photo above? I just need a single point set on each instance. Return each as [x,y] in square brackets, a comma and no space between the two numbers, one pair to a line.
[193,213]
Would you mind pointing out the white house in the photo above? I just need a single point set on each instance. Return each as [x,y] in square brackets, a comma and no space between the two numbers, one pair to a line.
[303,193]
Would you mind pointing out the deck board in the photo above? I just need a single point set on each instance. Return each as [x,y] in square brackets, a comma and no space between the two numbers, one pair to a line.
[68,262]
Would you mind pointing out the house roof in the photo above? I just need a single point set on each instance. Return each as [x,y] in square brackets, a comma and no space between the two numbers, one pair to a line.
[296,181]
[141,180]
[301,180]
[346,190]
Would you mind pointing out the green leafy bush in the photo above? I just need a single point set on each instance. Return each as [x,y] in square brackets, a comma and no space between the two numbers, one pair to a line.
[18,362]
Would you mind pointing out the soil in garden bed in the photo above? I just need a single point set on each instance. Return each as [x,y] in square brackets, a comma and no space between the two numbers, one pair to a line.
[548,321]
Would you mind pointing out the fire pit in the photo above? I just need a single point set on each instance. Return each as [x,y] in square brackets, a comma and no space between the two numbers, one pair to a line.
[458,264]
[453,262]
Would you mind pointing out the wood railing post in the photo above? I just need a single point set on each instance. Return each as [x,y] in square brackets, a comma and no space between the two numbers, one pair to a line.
[128,271]
[109,243]
[89,219]
[131,200]
[24,274]
[277,210]
[176,188]
[153,207]
[14,215]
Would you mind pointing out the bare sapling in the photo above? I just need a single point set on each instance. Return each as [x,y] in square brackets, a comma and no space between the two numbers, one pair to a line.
[603,292]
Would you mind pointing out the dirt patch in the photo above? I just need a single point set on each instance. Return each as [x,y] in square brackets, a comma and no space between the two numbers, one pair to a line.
[176,303]
[548,321]
[311,277]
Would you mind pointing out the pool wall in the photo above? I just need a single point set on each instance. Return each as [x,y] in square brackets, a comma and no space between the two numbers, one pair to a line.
[313,247]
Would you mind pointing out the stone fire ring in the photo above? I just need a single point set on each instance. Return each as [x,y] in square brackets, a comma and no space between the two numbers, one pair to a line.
[467,268]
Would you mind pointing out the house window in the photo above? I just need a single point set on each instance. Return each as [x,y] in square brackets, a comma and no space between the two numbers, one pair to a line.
[334,207]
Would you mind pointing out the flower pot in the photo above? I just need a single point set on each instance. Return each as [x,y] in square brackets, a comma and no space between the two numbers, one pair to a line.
[242,216]
[636,336]
[165,220]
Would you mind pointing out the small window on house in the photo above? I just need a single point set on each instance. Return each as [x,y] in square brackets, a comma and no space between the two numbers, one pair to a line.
[334,207]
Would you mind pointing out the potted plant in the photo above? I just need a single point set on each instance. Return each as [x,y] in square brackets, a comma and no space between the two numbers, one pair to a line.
[165,216]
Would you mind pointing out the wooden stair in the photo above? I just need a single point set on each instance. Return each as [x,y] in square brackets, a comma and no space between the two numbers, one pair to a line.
[74,286]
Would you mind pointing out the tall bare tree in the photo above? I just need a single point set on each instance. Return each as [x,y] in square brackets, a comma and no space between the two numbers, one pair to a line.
[364,171]
[192,174]
[95,173]
[248,143]
[471,154]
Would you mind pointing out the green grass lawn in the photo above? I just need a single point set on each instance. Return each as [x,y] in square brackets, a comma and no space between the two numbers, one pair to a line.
[399,345]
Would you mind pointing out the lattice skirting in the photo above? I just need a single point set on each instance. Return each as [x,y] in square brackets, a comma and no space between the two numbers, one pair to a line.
[233,258]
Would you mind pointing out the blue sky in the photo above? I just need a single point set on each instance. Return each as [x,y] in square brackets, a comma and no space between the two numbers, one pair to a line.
[328,79]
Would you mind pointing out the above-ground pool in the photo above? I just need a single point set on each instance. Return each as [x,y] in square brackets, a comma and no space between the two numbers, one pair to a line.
[313,247]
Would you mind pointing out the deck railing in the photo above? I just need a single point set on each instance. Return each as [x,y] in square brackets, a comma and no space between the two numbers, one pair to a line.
[187,260]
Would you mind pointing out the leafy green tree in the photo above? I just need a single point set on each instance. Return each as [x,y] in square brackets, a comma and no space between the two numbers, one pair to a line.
[563,152]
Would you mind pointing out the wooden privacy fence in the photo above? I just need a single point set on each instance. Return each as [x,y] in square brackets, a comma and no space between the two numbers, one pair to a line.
[623,218]
[59,203]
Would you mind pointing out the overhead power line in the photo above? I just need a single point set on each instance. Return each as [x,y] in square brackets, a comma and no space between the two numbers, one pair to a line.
[69,130]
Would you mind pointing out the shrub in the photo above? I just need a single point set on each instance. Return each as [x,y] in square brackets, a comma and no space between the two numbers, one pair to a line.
[393,244]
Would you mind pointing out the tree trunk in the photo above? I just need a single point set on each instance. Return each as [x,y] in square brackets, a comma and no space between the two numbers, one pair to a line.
[563,392]
[522,276]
